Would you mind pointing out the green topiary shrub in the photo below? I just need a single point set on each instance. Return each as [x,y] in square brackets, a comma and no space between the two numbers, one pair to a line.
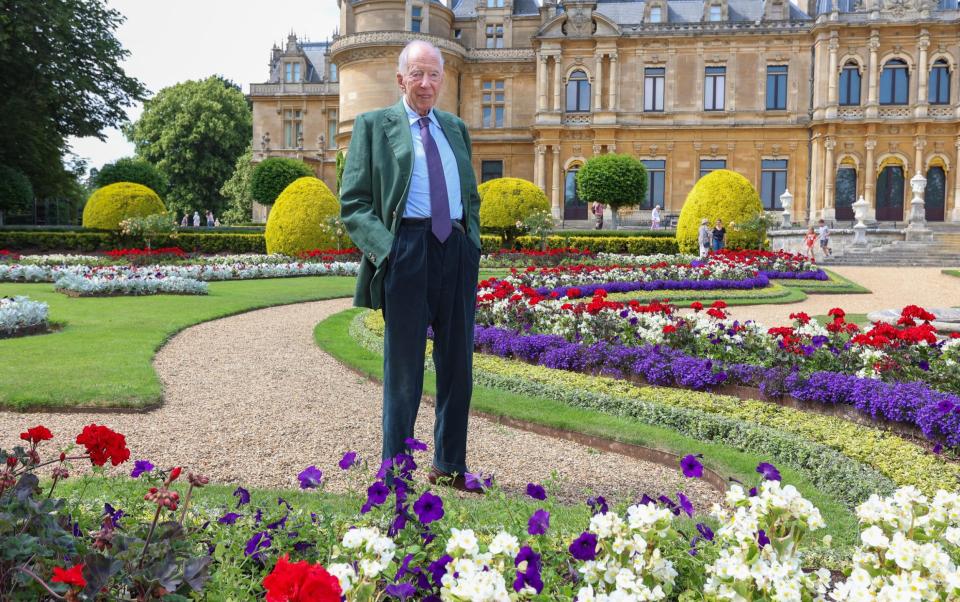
[16,192]
[612,179]
[132,169]
[506,201]
[299,219]
[110,205]
[721,194]
[272,176]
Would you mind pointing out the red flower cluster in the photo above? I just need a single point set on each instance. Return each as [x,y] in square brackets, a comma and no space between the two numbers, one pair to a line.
[904,334]
[551,252]
[839,323]
[301,582]
[71,576]
[104,444]
[37,434]
[163,497]
[801,317]
[118,253]
[330,254]
[5,254]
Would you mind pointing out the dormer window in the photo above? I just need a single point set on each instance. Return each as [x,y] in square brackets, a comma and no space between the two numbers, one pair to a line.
[333,72]
[656,15]
[716,12]
[494,3]
[291,73]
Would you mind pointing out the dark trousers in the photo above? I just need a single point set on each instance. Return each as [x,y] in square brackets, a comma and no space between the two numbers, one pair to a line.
[429,283]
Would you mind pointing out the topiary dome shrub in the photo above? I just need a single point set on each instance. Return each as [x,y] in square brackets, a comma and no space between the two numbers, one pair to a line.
[132,169]
[506,201]
[722,194]
[272,176]
[110,205]
[299,220]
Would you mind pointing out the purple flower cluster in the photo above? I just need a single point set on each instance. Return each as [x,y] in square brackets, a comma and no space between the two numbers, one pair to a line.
[587,290]
[814,275]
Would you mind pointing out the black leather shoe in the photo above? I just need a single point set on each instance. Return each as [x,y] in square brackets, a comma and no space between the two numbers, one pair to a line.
[456,481]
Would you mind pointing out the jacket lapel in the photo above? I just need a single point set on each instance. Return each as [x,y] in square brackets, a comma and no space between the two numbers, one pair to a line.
[397,130]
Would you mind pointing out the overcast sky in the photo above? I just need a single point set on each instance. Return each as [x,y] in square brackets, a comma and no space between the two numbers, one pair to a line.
[176,40]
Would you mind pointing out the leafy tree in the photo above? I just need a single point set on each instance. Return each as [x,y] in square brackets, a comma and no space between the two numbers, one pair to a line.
[194,132]
[272,175]
[60,76]
[16,193]
[237,191]
[132,169]
[612,179]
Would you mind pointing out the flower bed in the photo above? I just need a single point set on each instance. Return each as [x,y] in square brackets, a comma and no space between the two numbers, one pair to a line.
[20,316]
[406,544]
[106,285]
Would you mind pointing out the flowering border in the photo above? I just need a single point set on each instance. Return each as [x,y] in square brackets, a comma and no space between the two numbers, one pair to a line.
[22,316]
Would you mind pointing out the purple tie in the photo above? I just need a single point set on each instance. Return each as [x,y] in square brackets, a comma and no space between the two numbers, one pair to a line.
[439,202]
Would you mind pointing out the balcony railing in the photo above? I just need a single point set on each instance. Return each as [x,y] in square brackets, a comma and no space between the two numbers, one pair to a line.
[850,112]
[281,88]
[941,111]
[895,112]
[577,119]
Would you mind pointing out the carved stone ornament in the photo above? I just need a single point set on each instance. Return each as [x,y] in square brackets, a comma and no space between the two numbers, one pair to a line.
[775,148]
[653,149]
[714,149]
[596,149]
[577,149]
[579,22]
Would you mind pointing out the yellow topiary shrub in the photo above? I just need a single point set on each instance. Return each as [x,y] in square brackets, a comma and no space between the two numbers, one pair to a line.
[506,201]
[722,194]
[110,205]
[300,218]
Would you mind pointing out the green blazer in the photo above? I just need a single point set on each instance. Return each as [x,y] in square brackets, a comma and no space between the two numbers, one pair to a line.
[375,184]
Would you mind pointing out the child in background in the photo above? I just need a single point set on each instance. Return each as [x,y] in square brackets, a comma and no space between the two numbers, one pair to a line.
[824,232]
[808,242]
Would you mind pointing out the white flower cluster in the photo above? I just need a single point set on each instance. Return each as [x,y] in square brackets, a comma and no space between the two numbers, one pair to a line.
[19,314]
[759,540]
[234,271]
[629,565]
[60,259]
[146,284]
[474,576]
[369,551]
[907,549]
[640,260]
[593,274]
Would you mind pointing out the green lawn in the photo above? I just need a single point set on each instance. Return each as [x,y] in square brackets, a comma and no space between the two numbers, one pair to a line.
[773,294]
[332,335]
[955,273]
[836,285]
[102,356]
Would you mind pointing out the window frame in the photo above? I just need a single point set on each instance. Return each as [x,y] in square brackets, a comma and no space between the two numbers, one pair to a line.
[659,14]
[850,70]
[774,172]
[780,82]
[710,82]
[484,172]
[653,171]
[292,127]
[416,18]
[583,91]
[942,69]
[493,98]
[494,34]
[333,124]
[715,10]
[895,70]
[703,172]
[658,85]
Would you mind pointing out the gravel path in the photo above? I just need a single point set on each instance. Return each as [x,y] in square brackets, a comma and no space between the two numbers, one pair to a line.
[892,287]
[250,399]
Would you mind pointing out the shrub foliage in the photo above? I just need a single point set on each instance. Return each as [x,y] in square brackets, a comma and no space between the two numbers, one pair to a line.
[110,205]
[272,176]
[721,194]
[612,179]
[504,202]
[132,169]
[299,219]
[16,193]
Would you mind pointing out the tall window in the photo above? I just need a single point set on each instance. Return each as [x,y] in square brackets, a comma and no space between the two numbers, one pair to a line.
[656,177]
[935,193]
[493,103]
[332,128]
[939,93]
[655,15]
[490,170]
[416,18]
[494,3]
[333,72]
[773,181]
[573,206]
[845,191]
[776,87]
[708,165]
[653,88]
[292,128]
[291,72]
[716,13]
[713,88]
[850,85]
[495,35]
[894,83]
[578,92]
[890,194]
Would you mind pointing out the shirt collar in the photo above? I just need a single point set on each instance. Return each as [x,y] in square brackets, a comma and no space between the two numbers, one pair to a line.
[414,117]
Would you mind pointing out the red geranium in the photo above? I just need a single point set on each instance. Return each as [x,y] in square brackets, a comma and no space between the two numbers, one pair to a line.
[669,329]
[696,306]
[719,304]
[917,313]
[301,581]
[104,444]
[801,317]
[37,434]
[71,576]
[837,313]
[716,313]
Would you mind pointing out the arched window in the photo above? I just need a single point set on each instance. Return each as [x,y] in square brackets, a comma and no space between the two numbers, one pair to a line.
[890,194]
[845,190]
[939,91]
[578,92]
[935,193]
[850,85]
[573,206]
[894,83]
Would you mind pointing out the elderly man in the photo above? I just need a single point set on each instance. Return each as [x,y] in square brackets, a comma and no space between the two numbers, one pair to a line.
[409,201]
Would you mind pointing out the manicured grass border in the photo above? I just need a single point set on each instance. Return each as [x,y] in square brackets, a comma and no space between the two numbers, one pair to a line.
[773,294]
[332,335]
[954,273]
[837,285]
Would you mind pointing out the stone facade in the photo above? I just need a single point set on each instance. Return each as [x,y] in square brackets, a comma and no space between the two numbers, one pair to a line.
[763,87]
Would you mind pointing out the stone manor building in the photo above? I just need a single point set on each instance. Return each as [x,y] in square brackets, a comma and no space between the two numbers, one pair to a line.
[833,99]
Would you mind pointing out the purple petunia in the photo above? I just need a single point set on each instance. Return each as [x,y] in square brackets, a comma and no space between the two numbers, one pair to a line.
[310,478]
[539,522]
[401,591]
[415,444]
[762,539]
[537,492]
[140,467]
[691,466]
[584,547]
[242,495]
[598,505]
[685,504]
[259,541]
[348,460]
[428,507]
[705,531]
[229,518]
[769,471]
[438,568]
[476,481]
[113,514]
[377,493]
[529,575]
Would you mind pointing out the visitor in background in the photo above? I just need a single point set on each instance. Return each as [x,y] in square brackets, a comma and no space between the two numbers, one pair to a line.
[196,219]
[216,223]
[185,221]
[824,234]
[598,215]
[209,218]
[655,217]
[703,237]
[719,233]
[808,241]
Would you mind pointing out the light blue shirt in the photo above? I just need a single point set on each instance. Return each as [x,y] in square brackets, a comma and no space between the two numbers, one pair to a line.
[418,200]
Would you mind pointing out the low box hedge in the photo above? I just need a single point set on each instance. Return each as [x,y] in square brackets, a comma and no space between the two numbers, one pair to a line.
[633,245]
[98,240]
